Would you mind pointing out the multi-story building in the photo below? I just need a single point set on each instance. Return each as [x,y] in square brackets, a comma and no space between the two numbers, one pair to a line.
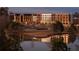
[75,19]
[36,18]
[21,18]
[46,18]
[11,16]
[64,18]
[27,18]
[15,17]
[43,18]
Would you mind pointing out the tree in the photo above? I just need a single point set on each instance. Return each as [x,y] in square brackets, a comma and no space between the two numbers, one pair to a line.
[3,11]
[15,25]
[57,27]
[72,33]
[58,44]
[14,39]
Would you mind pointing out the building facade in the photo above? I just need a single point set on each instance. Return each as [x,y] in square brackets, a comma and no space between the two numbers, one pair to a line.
[75,19]
[43,18]
[46,18]
[36,18]
[64,18]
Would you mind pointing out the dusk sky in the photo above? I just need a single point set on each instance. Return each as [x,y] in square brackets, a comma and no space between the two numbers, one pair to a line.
[43,9]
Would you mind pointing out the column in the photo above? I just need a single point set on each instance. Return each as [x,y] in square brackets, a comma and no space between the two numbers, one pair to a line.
[23,18]
[14,17]
[20,18]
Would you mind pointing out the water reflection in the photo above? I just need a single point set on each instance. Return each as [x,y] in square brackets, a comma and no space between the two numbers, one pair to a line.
[75,45]
[34,46]
[44,40]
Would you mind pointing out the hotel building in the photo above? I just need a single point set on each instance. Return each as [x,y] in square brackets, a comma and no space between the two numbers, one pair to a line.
[36,18]
[25,18]
[64,18]
[44,18]
[75,19]
[21,18]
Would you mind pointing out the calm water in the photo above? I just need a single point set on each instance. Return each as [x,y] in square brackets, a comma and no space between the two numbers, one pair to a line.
[34,46]
[75,45]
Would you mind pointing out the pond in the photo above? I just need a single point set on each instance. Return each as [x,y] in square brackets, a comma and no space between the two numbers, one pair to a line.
[42,46]
[34,46]
[75,45]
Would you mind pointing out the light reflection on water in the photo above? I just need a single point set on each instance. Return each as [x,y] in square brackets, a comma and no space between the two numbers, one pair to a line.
[41,46]
[75,45]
